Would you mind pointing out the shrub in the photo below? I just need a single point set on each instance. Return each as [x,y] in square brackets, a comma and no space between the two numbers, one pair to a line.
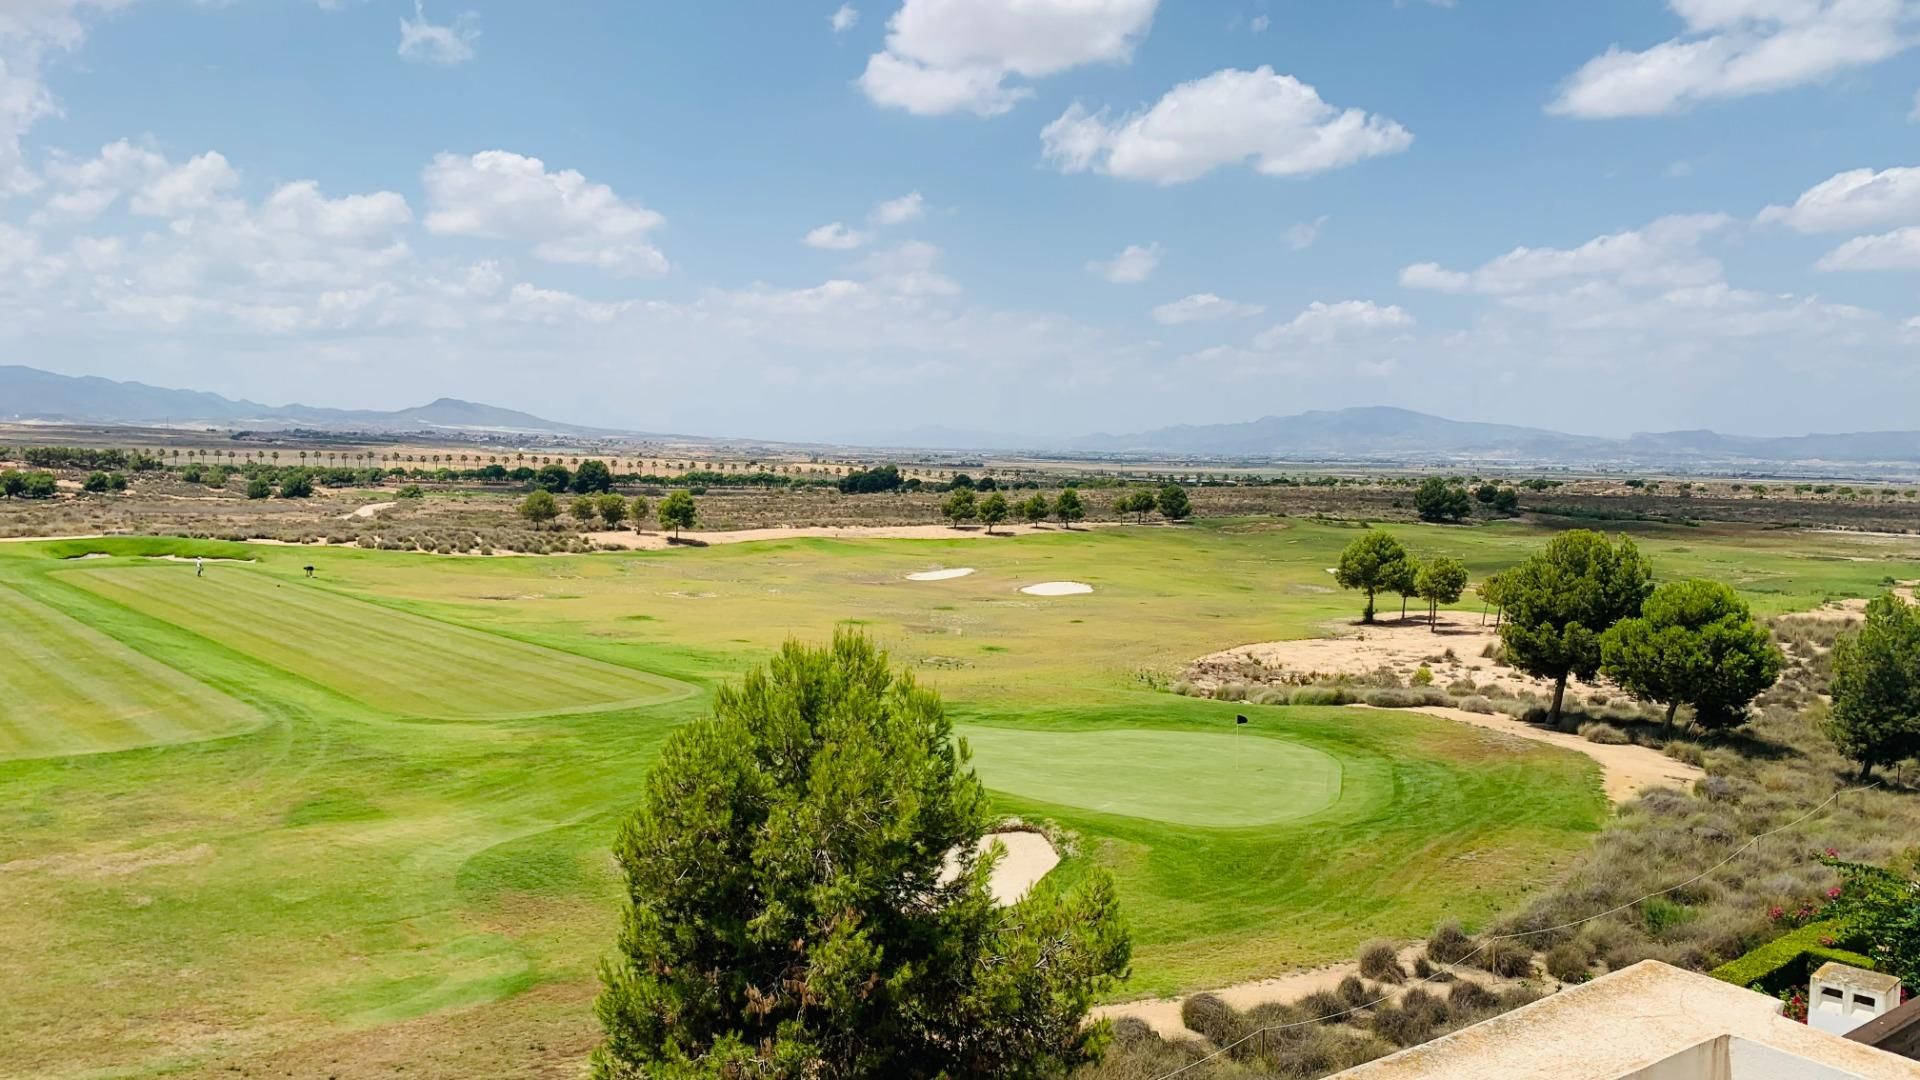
[412,491]
[1422,967]
[1463,687]
[1478,704]
[1380,960]
[1321,695]
[1569,961]
[1423,676]
[1323,1005]
[258,488]
[1790,959]
[1467,996]
[1211,1017]
[1233,691]
[1505,958]
[1449,944]
[1390,699]
[1690,752]
[1401,1026]
[1595,731]
[1356,993]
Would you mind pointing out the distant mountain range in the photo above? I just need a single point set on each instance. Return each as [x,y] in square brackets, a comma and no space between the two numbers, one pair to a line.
[1383,434]
[1371,435]
[31,394]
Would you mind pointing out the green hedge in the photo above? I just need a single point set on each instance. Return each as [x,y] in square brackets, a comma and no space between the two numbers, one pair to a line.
[1790,960]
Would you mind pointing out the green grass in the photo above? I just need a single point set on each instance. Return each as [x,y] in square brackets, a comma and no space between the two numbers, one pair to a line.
[1167,776]
[66,688]
[223,826]
[378,656]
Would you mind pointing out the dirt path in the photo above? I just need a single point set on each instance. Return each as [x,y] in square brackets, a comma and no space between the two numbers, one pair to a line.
[1163,1014]
[1625,770]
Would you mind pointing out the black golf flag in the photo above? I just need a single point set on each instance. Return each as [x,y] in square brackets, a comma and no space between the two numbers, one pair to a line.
[1238,720]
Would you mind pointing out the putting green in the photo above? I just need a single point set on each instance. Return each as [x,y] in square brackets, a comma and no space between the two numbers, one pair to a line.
[67,688]
[391,660]
[1181,777]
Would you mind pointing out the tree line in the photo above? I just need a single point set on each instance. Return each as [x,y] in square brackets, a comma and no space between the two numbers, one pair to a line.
[1586,606]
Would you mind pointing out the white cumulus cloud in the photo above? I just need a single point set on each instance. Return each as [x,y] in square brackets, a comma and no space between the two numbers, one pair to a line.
[1896,250]
[566,218]
[1855,199]
[947,56]
[1202,307]
[1665,253]
[1132,266]
[1736,48]
[835,236]
[1277,122]
[843,18]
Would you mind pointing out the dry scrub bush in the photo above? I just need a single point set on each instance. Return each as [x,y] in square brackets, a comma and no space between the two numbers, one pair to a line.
[1380,960]
[1605,734]
[1569,961]
[1449,944]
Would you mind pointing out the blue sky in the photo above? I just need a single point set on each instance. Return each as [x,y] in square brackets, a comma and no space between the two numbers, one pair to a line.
[812,220]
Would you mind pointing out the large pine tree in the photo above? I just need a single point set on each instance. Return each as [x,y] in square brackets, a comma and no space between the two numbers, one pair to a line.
[789,913]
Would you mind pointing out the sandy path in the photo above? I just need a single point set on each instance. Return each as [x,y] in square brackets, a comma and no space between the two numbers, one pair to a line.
[1163,1014]
[369,510]
[1625,770]
[39,539]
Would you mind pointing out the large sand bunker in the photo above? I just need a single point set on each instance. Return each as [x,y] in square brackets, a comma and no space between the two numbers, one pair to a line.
[1058,588]
[1030,856]
[941,575]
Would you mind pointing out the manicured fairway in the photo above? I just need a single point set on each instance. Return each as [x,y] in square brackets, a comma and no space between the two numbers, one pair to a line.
[66,688]
[278,869]
[1183,777]
[391,660]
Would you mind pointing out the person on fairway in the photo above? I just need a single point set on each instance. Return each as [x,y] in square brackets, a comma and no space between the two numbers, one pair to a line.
[199,566]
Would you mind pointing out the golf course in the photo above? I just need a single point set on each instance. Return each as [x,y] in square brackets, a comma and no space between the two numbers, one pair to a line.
[247,807]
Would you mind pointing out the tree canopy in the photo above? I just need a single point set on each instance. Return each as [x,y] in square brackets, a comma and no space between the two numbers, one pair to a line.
[1693,643]
[637,512]
[583,509]
[677,512]
[1035,508]
[554,478]
[871,481]
[592,476]
[993,510]
[1068,508]
[1437,500]
[1139,503]
[959,506]
[1876,687]
[1373,563]
[1562,599]
[788,915]
[612,508]
[1441,580]
[539,507]
[1174,504]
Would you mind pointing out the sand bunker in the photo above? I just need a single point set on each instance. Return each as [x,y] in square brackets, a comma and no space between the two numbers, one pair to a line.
[1058,588]
[190,558]
[1030,856]
[941,575]
[89,555]
[369,510]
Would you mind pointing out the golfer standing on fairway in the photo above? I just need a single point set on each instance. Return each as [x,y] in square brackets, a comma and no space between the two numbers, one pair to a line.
[199,566]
